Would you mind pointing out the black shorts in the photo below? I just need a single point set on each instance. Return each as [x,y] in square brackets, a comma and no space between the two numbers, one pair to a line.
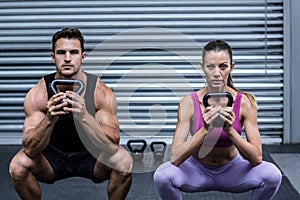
[65,165]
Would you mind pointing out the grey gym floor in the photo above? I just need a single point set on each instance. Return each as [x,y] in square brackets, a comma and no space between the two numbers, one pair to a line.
[286,157]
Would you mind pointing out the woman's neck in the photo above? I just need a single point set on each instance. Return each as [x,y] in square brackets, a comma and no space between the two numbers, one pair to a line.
[216,89]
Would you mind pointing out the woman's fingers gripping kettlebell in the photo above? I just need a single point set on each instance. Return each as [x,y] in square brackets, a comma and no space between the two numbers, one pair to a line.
[210,114]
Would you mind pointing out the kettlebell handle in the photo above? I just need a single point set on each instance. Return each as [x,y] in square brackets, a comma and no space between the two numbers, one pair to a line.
[56,82]
[141,150]
[157,143]
[218,94]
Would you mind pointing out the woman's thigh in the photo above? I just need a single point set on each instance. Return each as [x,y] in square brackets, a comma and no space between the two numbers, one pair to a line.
[187,177]
[242,176]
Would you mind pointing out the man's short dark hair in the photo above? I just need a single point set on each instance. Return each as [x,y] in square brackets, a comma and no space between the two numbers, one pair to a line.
[68,33]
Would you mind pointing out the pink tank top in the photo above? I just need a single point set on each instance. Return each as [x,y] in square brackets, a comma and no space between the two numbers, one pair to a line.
[223,140]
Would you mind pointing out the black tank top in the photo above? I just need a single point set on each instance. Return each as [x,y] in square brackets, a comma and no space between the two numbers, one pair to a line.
[65,135]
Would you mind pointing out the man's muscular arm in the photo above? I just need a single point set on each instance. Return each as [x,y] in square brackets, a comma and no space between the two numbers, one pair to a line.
[40,117]
[103,129]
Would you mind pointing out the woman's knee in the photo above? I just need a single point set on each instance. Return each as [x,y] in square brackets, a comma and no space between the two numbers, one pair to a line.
[272,175]
[276,176]
[163,174]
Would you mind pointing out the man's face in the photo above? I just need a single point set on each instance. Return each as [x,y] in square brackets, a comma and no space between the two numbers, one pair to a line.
[68,57]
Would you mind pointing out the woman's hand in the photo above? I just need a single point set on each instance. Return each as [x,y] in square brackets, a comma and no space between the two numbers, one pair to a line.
[228,116]
[210,114]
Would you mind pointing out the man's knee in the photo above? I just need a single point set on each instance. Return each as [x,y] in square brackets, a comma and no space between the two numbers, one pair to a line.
[19,167]
[120,162]
[124,162]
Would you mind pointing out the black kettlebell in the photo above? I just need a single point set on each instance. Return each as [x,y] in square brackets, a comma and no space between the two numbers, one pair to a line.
[56,82]
[218,122]
[158,153]
[137,153]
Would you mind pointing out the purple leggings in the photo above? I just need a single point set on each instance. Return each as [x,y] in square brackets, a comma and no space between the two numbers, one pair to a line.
[236,176]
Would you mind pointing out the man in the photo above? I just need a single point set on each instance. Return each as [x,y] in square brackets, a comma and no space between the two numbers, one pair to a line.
[63,130]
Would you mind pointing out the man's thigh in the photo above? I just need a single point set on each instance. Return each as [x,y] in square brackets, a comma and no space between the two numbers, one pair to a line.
[38,165]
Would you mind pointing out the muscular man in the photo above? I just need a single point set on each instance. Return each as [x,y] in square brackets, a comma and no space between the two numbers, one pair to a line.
[57,123]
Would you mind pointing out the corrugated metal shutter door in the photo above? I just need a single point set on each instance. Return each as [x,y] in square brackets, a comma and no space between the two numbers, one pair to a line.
[153,64]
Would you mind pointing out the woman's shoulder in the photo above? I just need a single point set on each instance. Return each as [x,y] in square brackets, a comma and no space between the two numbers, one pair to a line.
[195,95]
[186,100]
[248,100]
[248,106]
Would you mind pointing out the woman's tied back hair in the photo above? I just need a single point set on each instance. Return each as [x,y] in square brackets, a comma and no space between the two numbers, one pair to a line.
[217,45]
[68,33]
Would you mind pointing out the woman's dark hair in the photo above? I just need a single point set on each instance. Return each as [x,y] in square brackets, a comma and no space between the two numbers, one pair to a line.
[220,45]
[217,45]
[69,33]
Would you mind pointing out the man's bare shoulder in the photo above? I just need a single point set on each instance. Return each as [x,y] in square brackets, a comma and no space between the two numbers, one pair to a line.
[102,88]
[37,97]
[104,96]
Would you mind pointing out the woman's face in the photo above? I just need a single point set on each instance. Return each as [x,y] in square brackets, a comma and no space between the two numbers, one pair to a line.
[217,67]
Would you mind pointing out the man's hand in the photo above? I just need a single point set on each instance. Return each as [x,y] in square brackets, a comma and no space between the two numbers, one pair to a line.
[77,103]
[56,106]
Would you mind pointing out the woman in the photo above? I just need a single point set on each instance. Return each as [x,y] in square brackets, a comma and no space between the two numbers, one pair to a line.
[217,158]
